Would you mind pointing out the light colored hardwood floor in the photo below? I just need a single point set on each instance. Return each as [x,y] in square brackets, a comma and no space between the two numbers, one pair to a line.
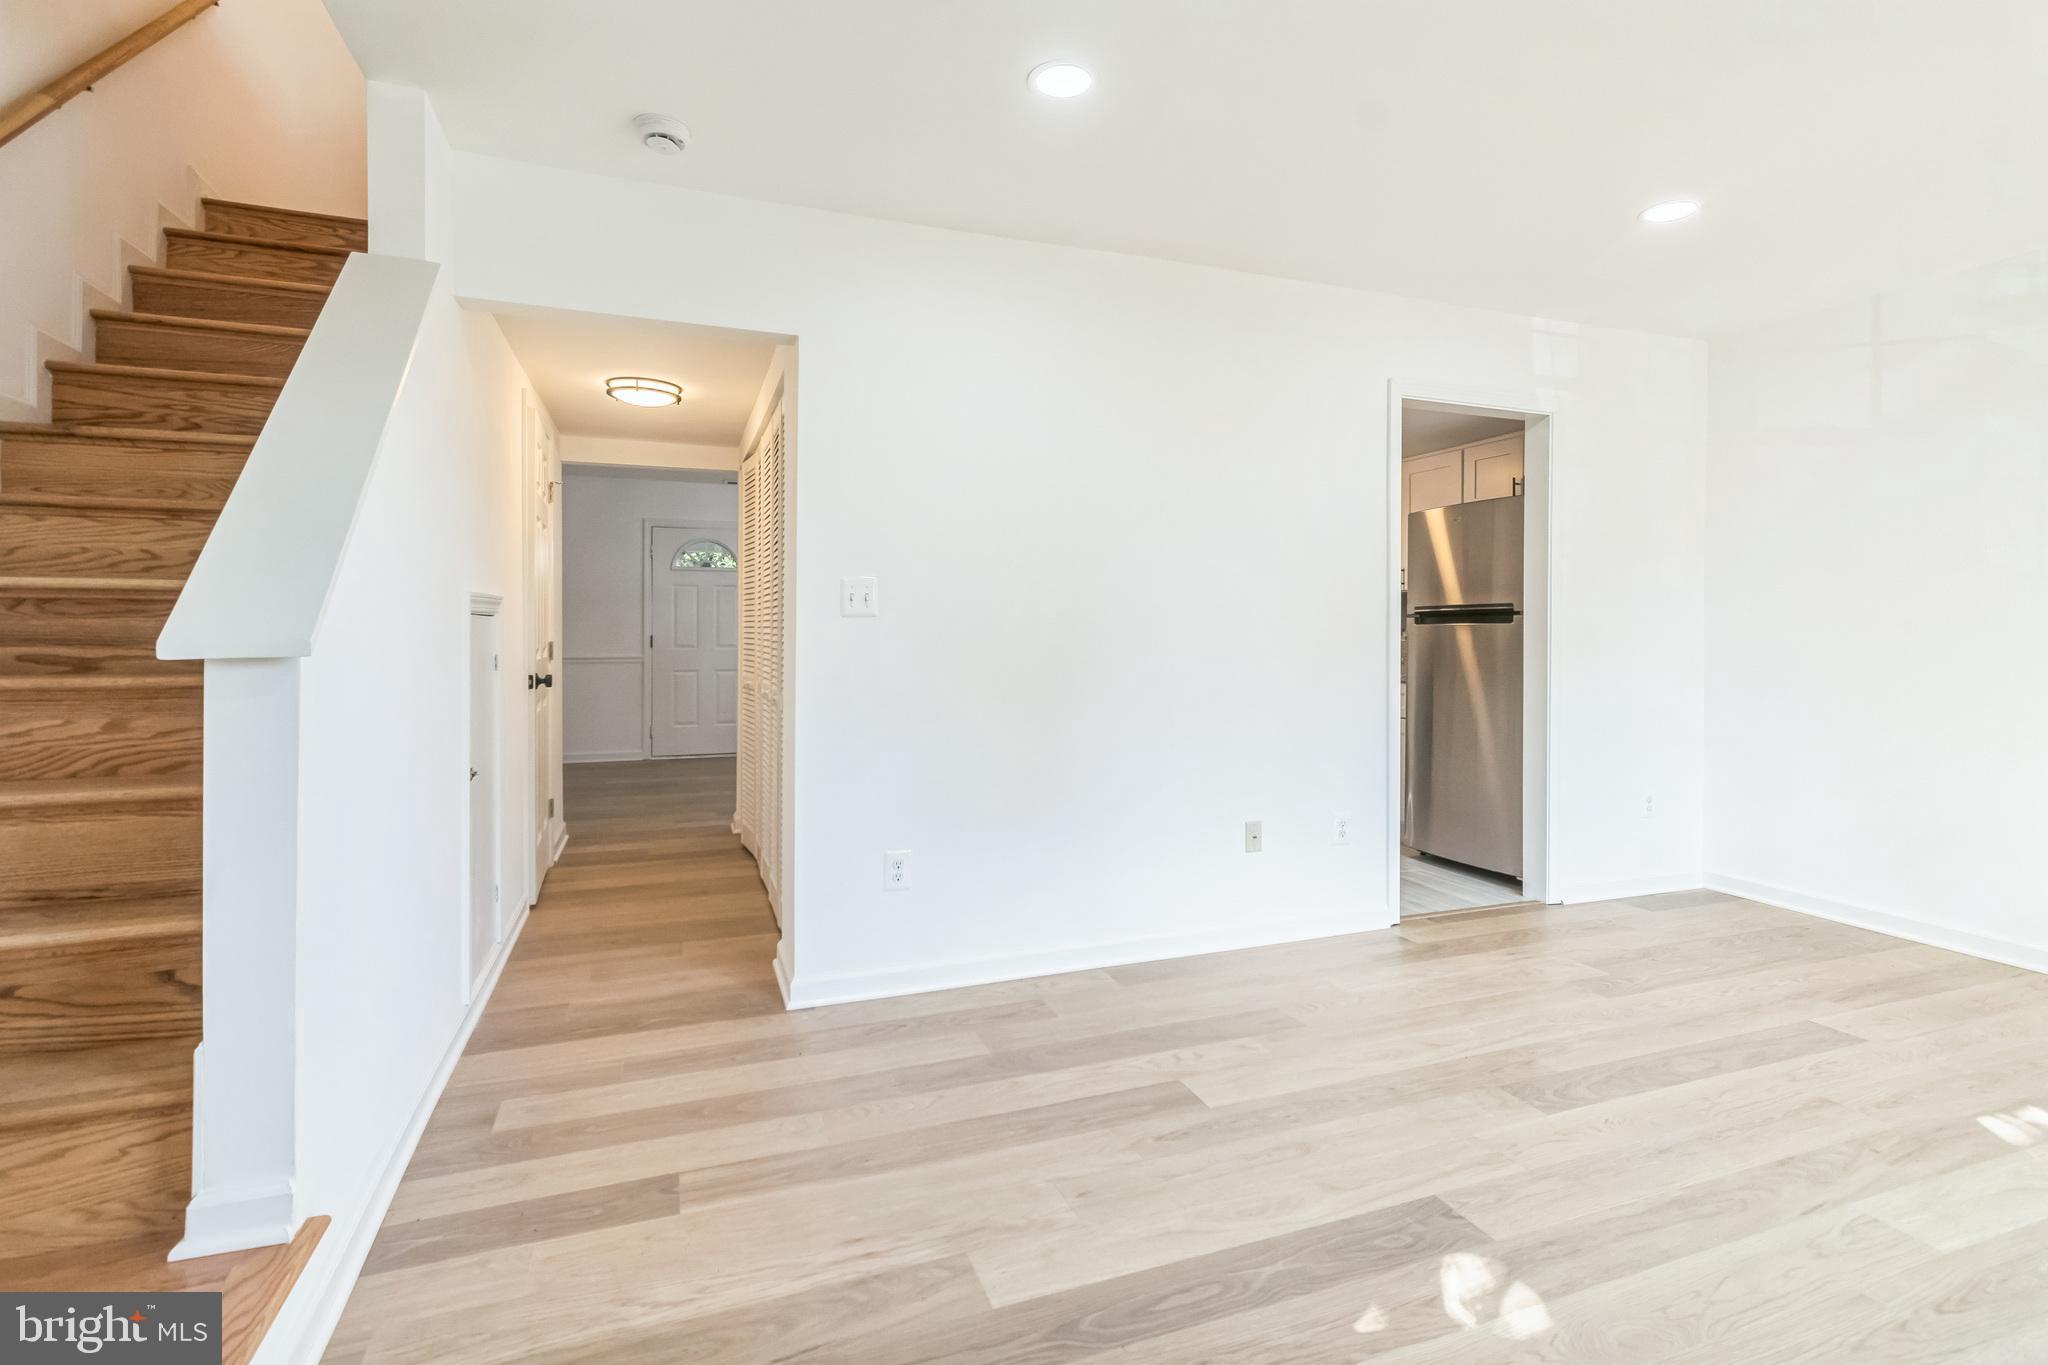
[1680,1130]
[1431,885]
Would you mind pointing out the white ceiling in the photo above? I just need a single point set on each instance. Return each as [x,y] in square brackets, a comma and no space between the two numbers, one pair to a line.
[1426,429]
[570,355]
[1490,152]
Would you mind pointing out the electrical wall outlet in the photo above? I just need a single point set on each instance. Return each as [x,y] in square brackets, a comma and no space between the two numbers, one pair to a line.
[1255,836]
[859,597]
[896,870]
[1649,807]
[1341,829]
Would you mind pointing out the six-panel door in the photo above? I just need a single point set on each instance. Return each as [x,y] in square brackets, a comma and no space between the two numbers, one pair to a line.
[693,653]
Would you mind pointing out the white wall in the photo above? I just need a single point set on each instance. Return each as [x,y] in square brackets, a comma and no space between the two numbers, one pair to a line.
[1080,685]
[409,210]
[384,998]
[258,102]
[634,454]
[1878,489]
[603,682]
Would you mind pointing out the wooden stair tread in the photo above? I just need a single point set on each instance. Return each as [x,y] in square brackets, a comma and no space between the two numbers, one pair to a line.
[57,1087]
[83,502]
[267,243]
[143,436]
[267,329]
[42,585]
[163,272]
[44,659]
[254,381]
[313,214]
[123,1267]
[18,684]
[71,792]
[252,1284]
[40,926]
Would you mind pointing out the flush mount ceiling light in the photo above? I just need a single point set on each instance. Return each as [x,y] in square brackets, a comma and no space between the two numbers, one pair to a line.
[1671,211]
[643,392]
[1059,80]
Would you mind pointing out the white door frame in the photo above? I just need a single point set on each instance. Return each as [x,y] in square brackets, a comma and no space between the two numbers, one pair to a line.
[648,526]
[491,605]
[1540,445]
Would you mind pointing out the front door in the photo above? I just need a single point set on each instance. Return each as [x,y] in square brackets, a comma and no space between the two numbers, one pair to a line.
[693,663]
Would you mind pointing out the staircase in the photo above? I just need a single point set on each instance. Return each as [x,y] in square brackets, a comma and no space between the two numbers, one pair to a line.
[102,514]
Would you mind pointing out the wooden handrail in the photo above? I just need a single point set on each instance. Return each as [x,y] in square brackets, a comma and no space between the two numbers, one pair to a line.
[37,105]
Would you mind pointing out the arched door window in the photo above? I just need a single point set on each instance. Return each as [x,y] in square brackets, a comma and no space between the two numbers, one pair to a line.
[704,554]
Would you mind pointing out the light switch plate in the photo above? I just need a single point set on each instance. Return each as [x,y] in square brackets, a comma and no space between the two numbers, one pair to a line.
[858,597]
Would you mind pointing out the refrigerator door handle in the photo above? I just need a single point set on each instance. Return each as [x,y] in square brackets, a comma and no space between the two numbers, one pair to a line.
[1475,614]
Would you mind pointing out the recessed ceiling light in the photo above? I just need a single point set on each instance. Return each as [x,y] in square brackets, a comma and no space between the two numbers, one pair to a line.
[1671,211]
[642,392]
[1060,80]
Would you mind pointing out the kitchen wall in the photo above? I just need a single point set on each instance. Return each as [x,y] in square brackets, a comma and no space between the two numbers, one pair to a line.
[1129,520]
[258,102]
[603,680]
[1876,575]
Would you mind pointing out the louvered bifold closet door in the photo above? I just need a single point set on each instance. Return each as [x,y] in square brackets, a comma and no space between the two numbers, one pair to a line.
[746,815]
[771,500]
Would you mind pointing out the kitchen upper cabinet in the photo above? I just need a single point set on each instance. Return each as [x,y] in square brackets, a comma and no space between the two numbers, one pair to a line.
[1493,469]
[1432,480]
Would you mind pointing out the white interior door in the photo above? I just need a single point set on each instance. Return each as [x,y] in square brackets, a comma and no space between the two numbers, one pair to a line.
[543,596]
[693,639]
[485,927]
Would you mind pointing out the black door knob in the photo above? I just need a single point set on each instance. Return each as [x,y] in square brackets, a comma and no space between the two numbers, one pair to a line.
[547,680]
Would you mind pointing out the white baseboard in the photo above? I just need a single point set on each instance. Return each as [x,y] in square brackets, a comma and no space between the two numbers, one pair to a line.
[2032,956]
[800,992]
[313,1309]
[220,1221]
[561,843]
[782,970]
[1626,888]
[606,756]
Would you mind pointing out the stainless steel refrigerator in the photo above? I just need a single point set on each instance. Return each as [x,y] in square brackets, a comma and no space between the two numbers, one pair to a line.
[1464,679]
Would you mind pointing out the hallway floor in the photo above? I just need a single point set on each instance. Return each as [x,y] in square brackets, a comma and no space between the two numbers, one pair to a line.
[1680,1130]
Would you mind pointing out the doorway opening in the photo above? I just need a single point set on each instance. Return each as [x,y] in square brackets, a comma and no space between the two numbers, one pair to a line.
[676,455]
[1470,824]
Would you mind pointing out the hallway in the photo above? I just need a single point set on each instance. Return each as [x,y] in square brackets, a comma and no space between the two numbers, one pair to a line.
[654,898]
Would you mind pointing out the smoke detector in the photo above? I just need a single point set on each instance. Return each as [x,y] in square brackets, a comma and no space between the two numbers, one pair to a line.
[660,133]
